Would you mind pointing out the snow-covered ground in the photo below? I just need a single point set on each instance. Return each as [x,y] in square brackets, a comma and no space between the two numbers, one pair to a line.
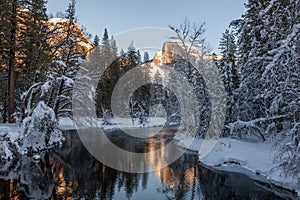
[234,155]
[68,124]
[114,123]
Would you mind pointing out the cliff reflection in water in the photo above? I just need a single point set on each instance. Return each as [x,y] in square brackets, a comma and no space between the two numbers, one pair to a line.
[180,176]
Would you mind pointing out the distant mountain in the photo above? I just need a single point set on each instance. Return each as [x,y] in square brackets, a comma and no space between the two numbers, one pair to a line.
[174,50]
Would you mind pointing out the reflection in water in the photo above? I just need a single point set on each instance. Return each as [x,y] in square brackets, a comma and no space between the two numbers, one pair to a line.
[136,157]
[72,173]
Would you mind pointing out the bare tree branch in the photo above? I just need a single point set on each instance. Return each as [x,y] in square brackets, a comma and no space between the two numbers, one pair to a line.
[190,34]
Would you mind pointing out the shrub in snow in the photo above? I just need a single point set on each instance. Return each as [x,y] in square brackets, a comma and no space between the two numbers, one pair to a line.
[40,130]
[289,159]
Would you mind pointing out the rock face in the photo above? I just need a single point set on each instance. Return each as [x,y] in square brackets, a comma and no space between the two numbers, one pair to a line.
[59,28]
[170,52]
[174,50]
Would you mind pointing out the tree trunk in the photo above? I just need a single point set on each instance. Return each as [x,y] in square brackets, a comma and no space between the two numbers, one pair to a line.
[57,100]
[11,64]
[4,116]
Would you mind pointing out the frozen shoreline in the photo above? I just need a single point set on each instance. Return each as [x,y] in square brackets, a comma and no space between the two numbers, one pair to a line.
[233,155]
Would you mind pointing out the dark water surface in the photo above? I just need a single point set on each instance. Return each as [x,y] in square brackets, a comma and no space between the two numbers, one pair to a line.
[72,173]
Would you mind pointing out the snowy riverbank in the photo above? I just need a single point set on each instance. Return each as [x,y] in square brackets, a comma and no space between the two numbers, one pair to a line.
[115,123]
[11,137]
[244,157]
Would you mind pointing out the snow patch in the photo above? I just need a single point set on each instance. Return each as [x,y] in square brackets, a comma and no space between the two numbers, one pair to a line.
[58,20]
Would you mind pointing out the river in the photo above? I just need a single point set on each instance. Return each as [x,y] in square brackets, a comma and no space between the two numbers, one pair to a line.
[71,172]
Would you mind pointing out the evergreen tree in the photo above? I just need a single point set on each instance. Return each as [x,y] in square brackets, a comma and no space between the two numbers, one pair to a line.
[122,52]
[132,55]
[228,44]
[114,48]
[96,41]
[56,90]
[8,29]
[229,71]
[109,52]
[139,57]
[36,49]
[26,54]
[106,49]
[146,57]
[268,103]
[252,47]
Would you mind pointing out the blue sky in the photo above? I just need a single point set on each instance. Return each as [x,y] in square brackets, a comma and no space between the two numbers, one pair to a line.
[122,15]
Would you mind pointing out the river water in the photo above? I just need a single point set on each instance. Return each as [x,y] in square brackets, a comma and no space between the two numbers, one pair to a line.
[71,172]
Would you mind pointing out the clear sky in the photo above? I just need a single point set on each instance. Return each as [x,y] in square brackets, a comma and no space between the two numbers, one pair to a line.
[122,15]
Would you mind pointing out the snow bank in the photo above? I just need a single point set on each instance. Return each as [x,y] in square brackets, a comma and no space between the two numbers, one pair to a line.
[65,123]
[234,155]
[128,123]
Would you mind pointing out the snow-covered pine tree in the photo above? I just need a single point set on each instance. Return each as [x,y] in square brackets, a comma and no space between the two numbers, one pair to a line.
[86,89]
[268,60]
[283,73]
[108,53]
[114,48]
[36,50]
[229,71]
[65,66]
[106,48]
[251,62]
[228,43]
[56,90]
[269,90]
[132,56]
[24,51]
